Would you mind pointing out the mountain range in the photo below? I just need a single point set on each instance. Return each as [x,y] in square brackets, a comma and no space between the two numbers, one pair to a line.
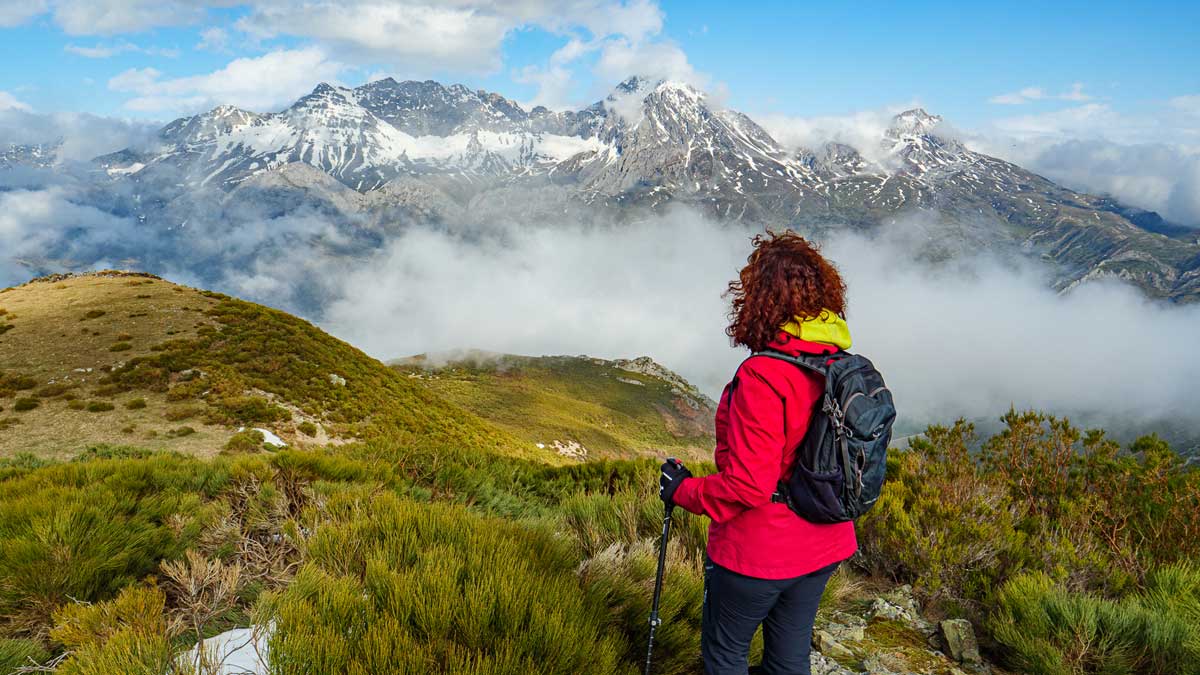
[389,151]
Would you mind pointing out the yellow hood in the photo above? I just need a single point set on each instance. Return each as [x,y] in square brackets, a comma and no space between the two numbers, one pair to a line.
[828,328]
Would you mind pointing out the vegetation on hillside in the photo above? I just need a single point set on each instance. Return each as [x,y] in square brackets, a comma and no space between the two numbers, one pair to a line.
[225,365]
[427,542]
[610,409]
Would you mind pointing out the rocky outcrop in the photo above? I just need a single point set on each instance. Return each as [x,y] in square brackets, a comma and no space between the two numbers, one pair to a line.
[890,636]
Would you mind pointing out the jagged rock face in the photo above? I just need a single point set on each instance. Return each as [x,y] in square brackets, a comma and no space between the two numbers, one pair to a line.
[447,151]
[37,155]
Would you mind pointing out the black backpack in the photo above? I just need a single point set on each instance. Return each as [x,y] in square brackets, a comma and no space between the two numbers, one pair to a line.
[841,463]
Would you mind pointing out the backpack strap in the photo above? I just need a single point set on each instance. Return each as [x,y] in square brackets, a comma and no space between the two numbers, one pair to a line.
[814,363]
[817,363]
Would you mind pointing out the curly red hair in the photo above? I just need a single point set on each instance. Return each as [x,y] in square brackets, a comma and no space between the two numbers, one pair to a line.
[785,276]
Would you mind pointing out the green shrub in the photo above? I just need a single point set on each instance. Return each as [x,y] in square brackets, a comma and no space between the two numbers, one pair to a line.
[5,327]
[249,440]
[247,410]
[99,406]
[129,634]
[1048,630]
[124,337]
[307,428]
[187,389]
[17,653]
[93,314]
[106,451]
[135,403]
[52,390]
[407,587]
[120,347]
[178,413]
[16,382]
[25,404]
[940,523]
[180,432]
[75,404]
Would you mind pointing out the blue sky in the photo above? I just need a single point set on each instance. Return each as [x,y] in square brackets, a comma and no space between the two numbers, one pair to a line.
[790,58]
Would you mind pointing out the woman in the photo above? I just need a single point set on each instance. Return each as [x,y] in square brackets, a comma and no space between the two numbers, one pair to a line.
[766,565]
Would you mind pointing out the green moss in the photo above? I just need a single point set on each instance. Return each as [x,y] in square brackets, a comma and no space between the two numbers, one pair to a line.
[99,406]
[93,314]
[135,403]
[307,428]
[120,347]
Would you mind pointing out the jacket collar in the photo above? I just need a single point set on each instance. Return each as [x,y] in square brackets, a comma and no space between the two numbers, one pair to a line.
[792,345]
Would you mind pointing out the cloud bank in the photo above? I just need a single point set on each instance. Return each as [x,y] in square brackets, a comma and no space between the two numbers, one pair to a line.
[968,339]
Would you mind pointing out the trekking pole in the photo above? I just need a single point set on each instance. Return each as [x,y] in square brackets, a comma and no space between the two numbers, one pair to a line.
[658,580]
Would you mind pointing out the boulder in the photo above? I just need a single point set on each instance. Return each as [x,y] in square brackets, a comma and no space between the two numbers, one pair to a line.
[823,665]
[959,637]
[824,642]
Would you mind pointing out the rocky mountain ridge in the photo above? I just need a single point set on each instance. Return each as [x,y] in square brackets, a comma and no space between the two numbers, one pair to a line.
[371,158]
[442,152]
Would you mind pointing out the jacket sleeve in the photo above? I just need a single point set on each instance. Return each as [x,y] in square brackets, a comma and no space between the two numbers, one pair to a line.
[756,439]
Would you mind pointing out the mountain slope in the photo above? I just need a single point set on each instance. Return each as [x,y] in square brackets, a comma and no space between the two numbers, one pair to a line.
[428,151]
[133,359]
[577,406]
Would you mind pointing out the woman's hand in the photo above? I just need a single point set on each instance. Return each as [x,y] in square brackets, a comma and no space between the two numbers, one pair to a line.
[673,473]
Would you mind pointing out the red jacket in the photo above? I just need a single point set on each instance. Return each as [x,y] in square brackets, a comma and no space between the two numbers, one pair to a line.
[761,419]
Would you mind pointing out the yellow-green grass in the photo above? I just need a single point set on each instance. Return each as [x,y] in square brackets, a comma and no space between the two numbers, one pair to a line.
[612,412]
[201,360]
[61,336]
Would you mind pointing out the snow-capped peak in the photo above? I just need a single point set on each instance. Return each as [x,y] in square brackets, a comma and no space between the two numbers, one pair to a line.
[915,121]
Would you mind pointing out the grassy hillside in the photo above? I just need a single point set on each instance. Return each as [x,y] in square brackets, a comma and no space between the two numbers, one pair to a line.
[576,405]
[131,359]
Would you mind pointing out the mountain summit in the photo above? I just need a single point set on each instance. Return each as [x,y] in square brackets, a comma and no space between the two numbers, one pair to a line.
[441,151]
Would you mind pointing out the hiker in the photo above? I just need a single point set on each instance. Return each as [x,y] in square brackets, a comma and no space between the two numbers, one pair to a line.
[766,564]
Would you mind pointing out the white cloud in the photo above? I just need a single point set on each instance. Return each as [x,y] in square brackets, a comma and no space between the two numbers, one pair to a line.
[1030,94]
[654,287]
[102,51]
[1018,97]
[80,136]
[455,37]
[863,130]
[17,12]
[214,39]
[10,102]
[1075,94]
[621,57]
[467,35]
[260,83]
[113,17]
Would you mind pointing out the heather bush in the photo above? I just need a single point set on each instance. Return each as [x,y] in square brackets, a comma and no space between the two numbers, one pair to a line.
[25,404]
[20,653]
[397,586]
[1049,630]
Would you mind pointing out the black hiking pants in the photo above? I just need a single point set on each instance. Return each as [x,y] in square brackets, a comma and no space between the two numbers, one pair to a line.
[735,605]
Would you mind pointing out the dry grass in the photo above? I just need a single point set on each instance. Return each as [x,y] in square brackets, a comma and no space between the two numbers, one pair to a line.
[63,332]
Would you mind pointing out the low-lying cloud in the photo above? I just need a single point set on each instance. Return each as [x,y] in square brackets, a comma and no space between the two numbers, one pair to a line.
[966,339]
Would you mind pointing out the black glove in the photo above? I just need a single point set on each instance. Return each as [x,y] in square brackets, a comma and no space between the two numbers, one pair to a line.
[673,473]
